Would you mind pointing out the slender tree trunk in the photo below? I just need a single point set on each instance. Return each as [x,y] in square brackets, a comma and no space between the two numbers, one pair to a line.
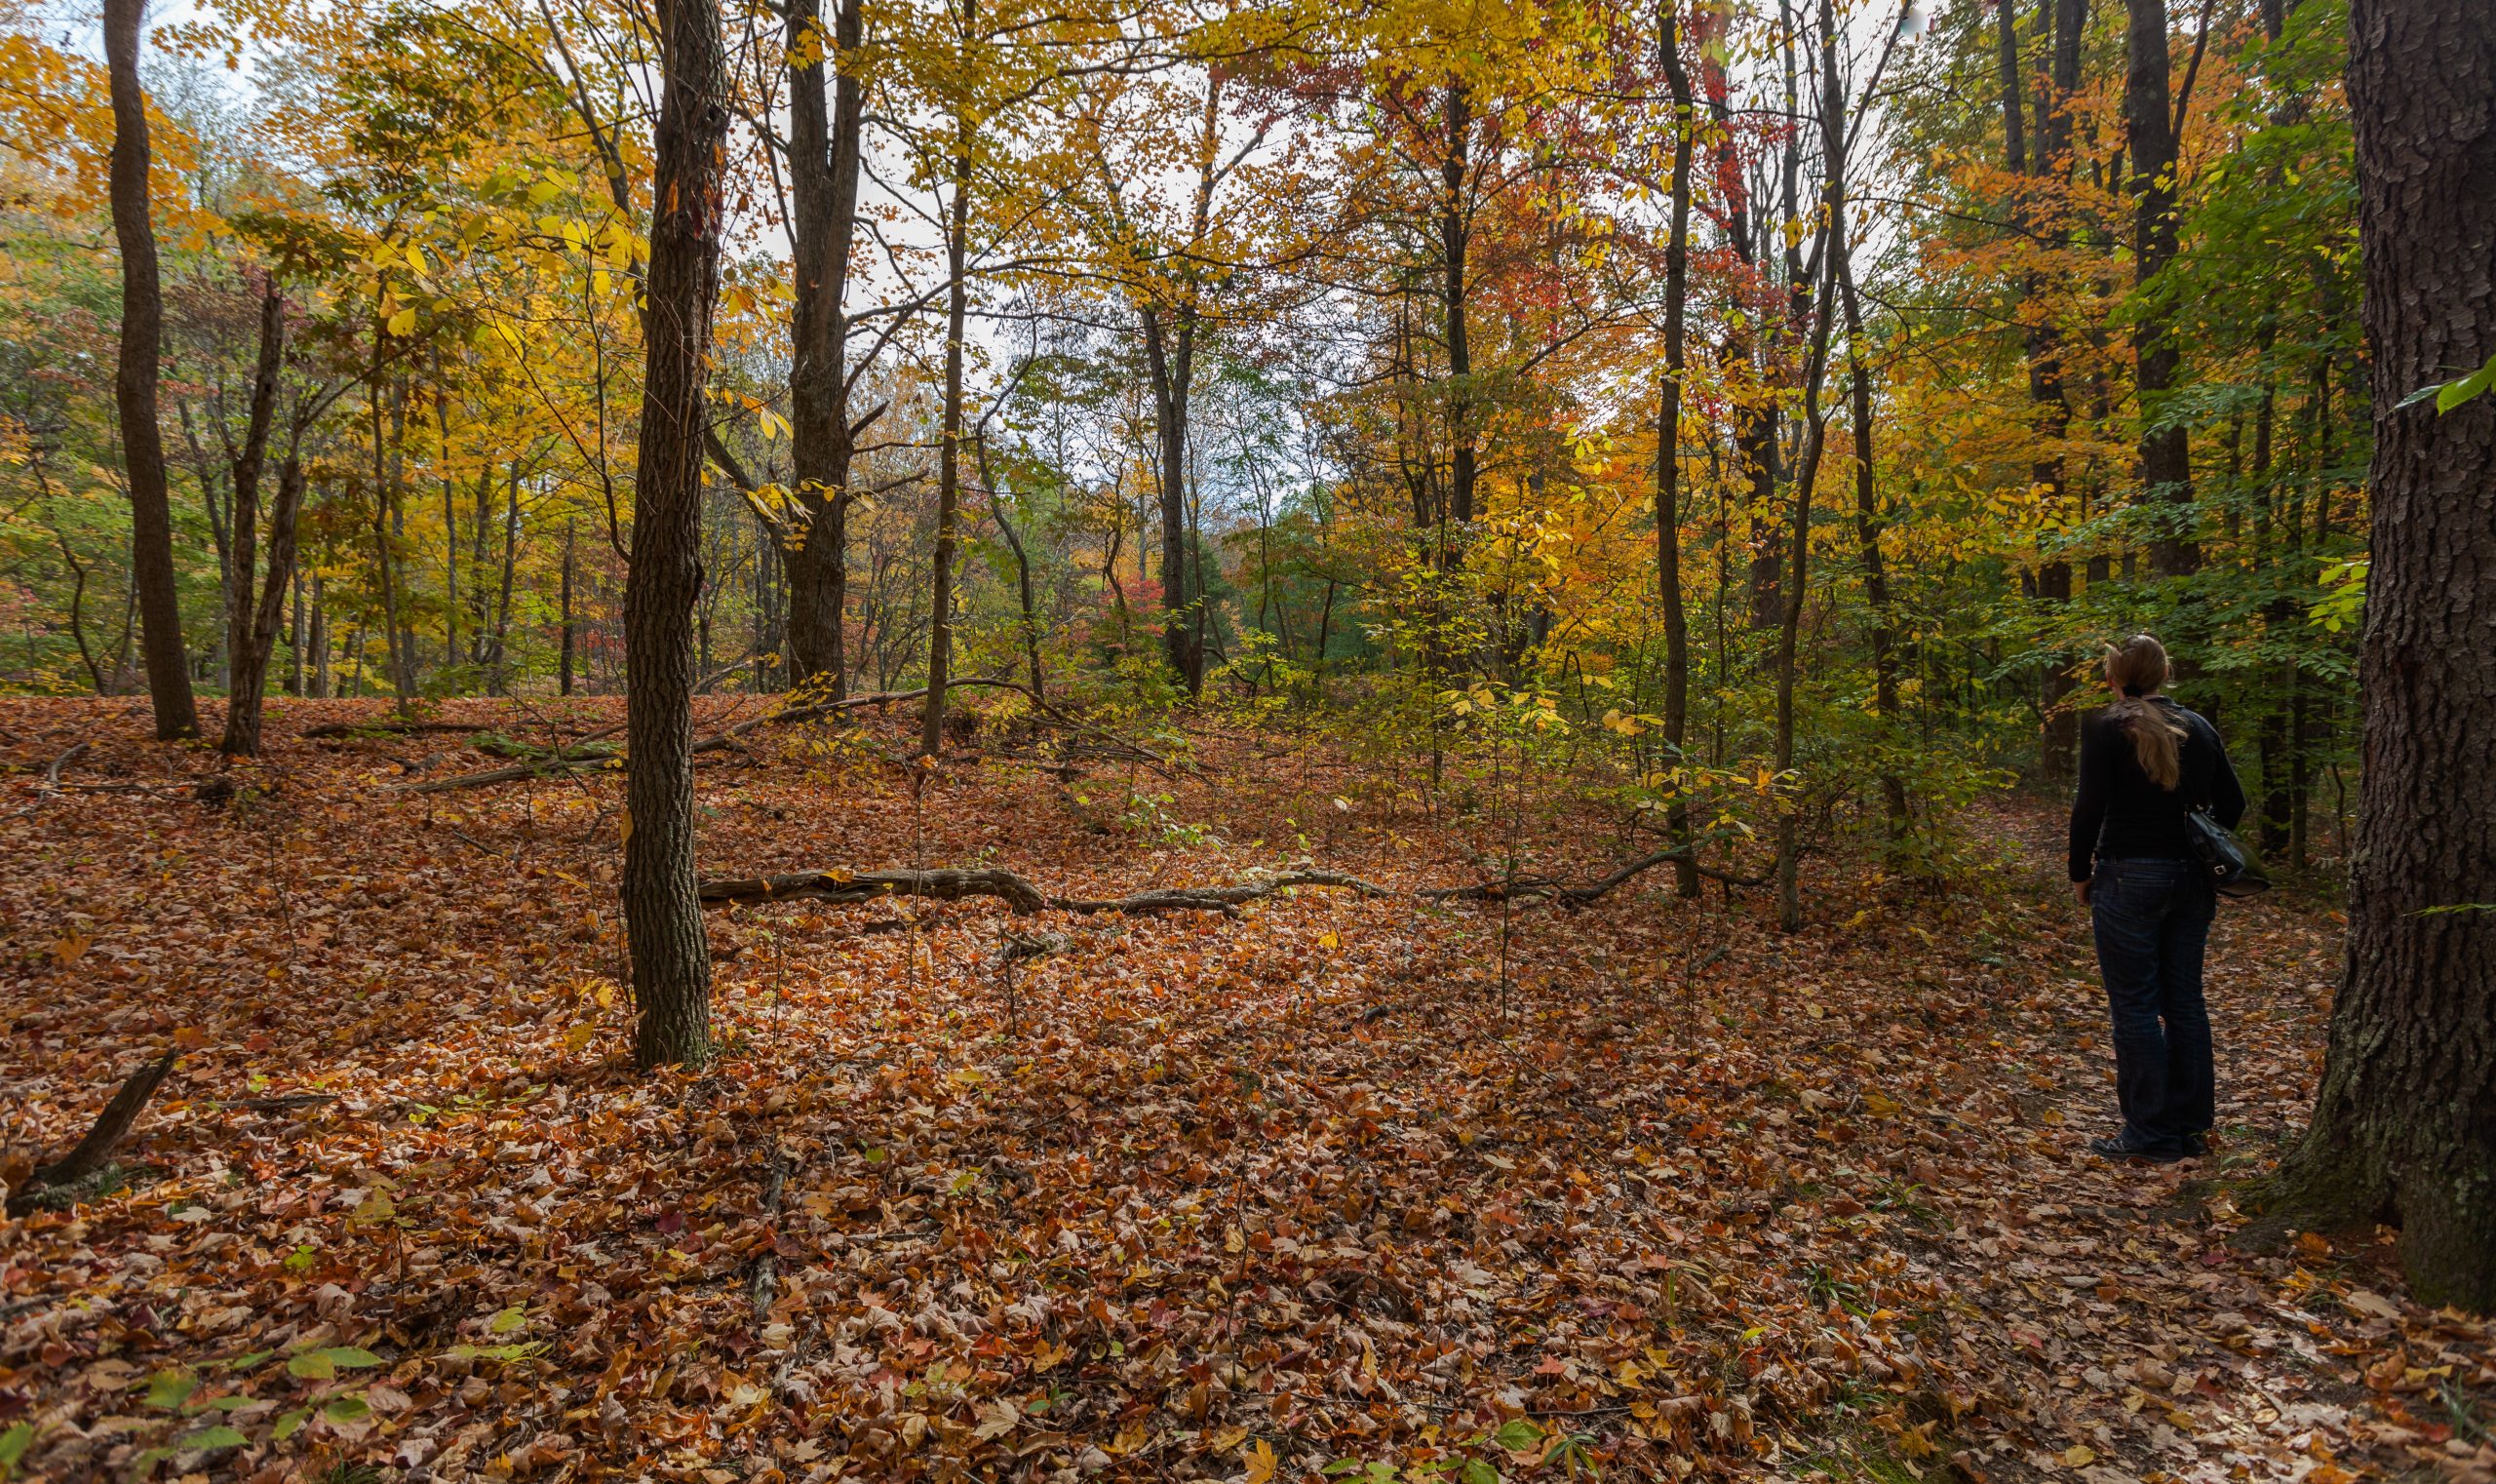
[2404,1126]
[253,647]
[949,459]
[246,672]
[2149,130]
[1668,456]
[564,597]
[1789,894]
[134,382]
[1867,536]
[1022,571]
[663,918]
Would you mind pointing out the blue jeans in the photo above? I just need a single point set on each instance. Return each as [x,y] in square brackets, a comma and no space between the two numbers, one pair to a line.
[2153,920]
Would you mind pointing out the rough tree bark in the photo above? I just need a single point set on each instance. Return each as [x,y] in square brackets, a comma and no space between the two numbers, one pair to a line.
[2149,130]
[2405,1127]
[671,955]
[824,163]
[134,380]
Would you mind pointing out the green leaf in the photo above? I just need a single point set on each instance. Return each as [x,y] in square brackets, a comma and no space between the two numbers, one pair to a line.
[290,1423]
[169,1389]
[508,1320]
[219,1436]
[13,1444]
[246,1362]
[347,1409]
[312,1365]
[2455,393]
[1518,1435]
[346,1357]
[1476,1471]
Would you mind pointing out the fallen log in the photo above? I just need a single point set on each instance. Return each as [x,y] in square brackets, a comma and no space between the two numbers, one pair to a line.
[108,1130]
[1017,893]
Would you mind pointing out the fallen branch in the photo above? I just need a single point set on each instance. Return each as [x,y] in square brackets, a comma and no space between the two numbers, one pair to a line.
[109,1127]
[766,1268]
[1539,887]
[51,774]
[387,728]
[1018,893]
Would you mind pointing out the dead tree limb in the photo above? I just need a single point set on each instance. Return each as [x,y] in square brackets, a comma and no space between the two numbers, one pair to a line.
[97,1147]
[1525,888]
[1018,893]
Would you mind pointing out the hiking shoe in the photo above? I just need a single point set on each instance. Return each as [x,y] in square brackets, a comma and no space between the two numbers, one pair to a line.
[2121,1148]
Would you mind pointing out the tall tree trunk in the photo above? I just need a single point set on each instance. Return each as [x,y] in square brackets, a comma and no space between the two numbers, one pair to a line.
[2059,737]
[949,459]
[1463,471]
[2149,131]
[663,918]
[2404,1126]
[825,162]
[1668,454]
[135,382]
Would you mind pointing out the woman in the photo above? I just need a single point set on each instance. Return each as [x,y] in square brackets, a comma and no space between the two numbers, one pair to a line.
[2144,763]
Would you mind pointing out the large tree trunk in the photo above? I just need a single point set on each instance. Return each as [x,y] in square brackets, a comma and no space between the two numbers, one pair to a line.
[823,169]
[670,953]
[1669,456]
[2149,130]
[134,379]
[2405,1127]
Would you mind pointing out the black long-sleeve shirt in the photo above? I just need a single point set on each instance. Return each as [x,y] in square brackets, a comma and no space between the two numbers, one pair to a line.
[2119,814]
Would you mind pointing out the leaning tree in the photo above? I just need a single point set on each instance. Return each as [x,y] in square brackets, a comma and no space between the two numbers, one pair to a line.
[2405,1127]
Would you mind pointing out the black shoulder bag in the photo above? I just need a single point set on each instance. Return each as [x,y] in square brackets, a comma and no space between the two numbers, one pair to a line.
[2229,865]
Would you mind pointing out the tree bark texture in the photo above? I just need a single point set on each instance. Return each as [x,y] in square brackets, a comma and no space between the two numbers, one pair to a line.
[134,382]
[824,170]
[2149,130]
[1668,451]
[2405,1127]
[663,918]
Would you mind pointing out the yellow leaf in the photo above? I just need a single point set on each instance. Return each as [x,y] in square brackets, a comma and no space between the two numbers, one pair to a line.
[1262,1463]
[2079,1456]
[402,323]
[578,1037]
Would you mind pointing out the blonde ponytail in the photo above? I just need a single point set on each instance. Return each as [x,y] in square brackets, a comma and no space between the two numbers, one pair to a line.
[2138,668]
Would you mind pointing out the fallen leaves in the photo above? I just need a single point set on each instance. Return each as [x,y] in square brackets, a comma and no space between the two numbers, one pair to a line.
[1252,1197]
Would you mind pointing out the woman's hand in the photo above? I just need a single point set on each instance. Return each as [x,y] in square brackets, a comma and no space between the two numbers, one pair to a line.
[2080,892]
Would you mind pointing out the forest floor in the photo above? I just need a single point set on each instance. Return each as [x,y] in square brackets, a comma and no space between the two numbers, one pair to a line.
[1368,1184]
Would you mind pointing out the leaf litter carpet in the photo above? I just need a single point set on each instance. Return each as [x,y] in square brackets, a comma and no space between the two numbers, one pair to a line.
[1389,1188]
